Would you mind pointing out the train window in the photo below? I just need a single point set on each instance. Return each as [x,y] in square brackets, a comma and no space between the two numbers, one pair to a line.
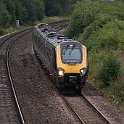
[52,34]
[71,55]
[53,57]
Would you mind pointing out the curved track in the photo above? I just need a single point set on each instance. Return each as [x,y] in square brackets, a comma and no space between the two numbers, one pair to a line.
[9,105]
[87,113]
[38,98]
[59,25]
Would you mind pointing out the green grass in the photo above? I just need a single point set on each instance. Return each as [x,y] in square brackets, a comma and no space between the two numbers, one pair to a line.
[11,29]
[115,94]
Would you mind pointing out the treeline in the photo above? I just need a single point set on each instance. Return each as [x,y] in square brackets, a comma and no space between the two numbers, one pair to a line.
[100,26]
[30,10]
[57,7]
[23,10]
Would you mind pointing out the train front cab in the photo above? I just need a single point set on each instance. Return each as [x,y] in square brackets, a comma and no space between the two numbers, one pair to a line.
[72,65]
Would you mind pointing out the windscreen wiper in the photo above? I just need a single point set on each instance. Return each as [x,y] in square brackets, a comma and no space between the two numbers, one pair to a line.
[66,49]
[71,50]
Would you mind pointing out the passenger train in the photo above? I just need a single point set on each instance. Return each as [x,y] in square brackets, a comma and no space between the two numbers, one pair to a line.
[65,59]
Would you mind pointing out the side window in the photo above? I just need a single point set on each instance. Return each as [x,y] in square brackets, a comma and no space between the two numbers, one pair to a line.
[53,58]
[41,45]
[49,54]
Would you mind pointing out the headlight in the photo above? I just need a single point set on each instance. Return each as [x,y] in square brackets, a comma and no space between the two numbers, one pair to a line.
[83,71]
[60,72]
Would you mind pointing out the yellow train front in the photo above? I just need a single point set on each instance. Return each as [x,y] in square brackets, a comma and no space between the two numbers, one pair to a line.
[63,58]
[72,65]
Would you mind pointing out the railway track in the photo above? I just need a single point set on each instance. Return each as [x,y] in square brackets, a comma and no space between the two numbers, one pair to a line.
[59,25]
[9,105]
[85,111]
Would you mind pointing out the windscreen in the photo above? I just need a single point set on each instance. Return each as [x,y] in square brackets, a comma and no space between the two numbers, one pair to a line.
[71,55]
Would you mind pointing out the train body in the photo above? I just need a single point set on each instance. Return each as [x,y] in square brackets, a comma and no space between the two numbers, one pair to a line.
[65,59]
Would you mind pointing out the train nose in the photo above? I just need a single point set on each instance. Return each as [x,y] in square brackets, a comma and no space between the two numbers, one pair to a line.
[73,79]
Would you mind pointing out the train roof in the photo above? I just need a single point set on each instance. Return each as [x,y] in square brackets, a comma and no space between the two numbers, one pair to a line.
[51,35]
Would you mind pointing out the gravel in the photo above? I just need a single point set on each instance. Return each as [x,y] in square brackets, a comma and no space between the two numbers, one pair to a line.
[39,100]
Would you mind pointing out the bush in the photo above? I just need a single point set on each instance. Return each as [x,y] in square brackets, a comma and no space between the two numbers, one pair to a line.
[95,26]
[83,15]
[110,36]
[109,71]
[5,17]
[88,12]
[2,32]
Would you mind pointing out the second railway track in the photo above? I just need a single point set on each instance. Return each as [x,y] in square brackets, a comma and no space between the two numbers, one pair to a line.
[9,106]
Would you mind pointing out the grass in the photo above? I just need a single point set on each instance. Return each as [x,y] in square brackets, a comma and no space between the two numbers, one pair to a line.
[115,92]
[11,29]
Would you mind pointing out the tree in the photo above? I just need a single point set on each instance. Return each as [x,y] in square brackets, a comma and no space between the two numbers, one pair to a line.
[21,12]
[10,6]
[5,17]
[57,7]
[110,70]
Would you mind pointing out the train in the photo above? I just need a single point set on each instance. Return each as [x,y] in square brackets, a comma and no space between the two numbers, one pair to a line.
[65,59]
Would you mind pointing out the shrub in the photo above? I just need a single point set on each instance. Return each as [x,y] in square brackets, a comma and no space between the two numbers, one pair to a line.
[2,32]
[5,17]
[95,26]
[110,36]
[109,71]
[88,12]
[83,15]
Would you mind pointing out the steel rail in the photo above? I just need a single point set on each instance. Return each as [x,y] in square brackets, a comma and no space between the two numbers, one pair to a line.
[56,23]
[7,37]
[4,36]
[102,115]
[98,112]
[59,25]
[20,33]
[14,38]
[70,106]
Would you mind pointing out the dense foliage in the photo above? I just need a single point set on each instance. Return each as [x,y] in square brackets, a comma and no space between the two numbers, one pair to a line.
[109,71]
[23,10]
[99,25]
[86,13]
[30,10]
[57,7]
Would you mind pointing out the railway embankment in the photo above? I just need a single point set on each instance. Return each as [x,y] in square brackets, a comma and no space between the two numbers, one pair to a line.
[100,27]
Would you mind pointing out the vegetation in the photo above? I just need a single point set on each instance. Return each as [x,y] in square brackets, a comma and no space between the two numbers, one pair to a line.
[99,25]
[22,10]
[28,11]
[109,71]
[57,7]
